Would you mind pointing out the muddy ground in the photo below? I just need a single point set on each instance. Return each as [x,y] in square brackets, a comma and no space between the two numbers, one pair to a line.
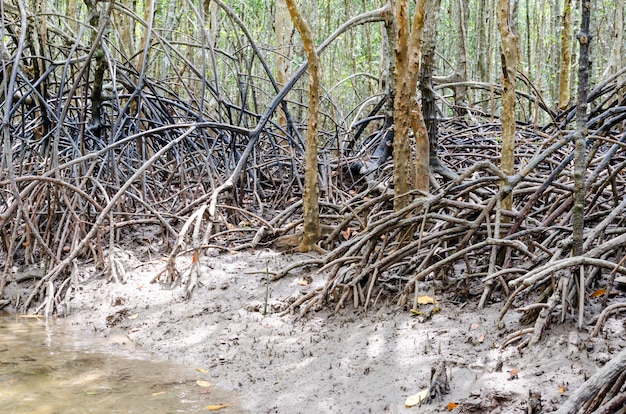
[349,362]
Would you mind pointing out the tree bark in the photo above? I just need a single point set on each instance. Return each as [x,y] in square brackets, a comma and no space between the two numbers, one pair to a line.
[460,71]
[401,121]
[566,56]
[615,60]
[310,202]
[580,158]
[429,108]
[421,159]
[508,55]
[408,116]
[281,28]
[483,17]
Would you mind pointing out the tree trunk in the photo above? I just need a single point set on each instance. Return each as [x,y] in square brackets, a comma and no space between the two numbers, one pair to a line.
[460,70]
[615,60]
[310,196]
[566,56]
[281,27]
[508,55]
[407,112]
[482,27]
[422,148]
[426,75]
[580,159]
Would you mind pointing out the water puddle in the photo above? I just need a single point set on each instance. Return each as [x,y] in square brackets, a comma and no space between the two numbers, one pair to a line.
[48,368]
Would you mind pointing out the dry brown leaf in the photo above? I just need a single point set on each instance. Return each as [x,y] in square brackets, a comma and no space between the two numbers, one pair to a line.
[346,233]
[598,293]
[216,407]
[202,383]
[451,406]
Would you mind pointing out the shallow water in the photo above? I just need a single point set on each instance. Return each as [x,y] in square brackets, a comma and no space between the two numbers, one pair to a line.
[47,367]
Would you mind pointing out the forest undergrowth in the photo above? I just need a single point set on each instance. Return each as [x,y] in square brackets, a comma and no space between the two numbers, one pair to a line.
[89,157]
[68,200]
[182,125]
[72,190]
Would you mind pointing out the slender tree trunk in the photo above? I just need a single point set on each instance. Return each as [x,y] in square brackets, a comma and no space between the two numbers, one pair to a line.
[401,110]
[460,71]
[566,55]
[409,172]
[421,160]
[281,27]
[508,56]
[615,60]
[426,77]
[482,28]
[580,159]
[310,196]
[171,21]
[555,48]
[490,42]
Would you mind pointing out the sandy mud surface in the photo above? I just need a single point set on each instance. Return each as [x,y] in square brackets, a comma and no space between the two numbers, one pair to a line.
[349,362]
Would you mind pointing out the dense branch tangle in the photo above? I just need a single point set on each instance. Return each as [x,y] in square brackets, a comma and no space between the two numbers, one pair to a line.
[453,230]
[106,131]
[101,142]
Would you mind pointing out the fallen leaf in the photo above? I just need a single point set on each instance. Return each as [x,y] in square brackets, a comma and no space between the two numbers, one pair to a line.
[481,338]
[204,371]
[302,282]
[202,383]
[154,394]
[561,390]
[473,326]
[134,316]
[424,300]
[598,293]
[346,233]
[216,407]
[451,406]
[416,399]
